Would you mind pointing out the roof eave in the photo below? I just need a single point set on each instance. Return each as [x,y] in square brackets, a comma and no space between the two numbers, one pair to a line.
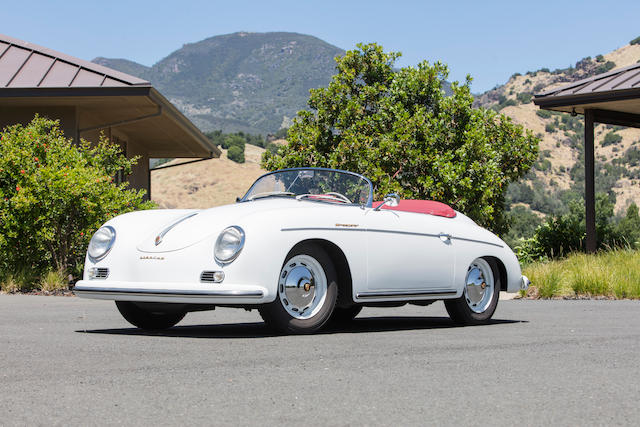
[550,101]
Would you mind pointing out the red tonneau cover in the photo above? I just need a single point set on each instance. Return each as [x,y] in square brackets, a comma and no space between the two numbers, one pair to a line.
[422,206]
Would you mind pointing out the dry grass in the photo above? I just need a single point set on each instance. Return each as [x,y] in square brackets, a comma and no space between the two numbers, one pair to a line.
[53,281]
[17,282]
[206,184]
[611,274]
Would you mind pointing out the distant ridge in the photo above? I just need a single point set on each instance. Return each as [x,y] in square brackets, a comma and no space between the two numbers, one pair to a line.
[251,82]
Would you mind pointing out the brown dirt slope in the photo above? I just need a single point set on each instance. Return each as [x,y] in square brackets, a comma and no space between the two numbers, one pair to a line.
[205,184]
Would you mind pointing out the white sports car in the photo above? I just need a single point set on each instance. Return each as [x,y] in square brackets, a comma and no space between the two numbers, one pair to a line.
[304,246]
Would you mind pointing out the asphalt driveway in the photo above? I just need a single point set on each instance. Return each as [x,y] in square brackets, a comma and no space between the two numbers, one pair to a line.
[67,360]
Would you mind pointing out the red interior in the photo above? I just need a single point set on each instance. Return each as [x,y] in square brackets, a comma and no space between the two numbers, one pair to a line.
[422,206]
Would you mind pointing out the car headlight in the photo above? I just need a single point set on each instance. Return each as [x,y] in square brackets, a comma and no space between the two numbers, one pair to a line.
[101,243]
[229,244]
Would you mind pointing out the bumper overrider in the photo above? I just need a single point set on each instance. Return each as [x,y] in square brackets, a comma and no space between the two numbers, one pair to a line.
[524,283]
[168,293]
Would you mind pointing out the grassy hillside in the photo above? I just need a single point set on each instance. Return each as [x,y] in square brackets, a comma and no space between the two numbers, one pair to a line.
[250,82]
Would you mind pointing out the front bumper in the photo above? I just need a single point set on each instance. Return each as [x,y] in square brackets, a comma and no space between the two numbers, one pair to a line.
[170,292]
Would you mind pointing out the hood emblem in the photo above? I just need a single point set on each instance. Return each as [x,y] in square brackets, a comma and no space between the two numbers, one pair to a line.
[160,236]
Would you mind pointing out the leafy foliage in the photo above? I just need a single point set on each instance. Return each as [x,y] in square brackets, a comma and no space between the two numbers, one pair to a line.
[236,153]
[398,128]
[611,138]
[54,195]
[563,234]
[635,41]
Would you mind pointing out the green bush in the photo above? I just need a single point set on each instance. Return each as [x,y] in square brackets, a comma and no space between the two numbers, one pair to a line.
[550,127]
[611,138]
[236,153]
[635,41]
[603,68]
[545,114]
[563,234]
[54,194]
[523,97]
[599,58]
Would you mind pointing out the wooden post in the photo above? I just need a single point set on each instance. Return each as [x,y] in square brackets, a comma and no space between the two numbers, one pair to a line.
[589,182]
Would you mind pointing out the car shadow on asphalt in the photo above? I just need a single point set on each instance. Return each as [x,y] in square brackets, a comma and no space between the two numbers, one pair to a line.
[260,330]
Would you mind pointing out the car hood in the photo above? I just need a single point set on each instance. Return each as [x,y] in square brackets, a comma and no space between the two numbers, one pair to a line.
[188,227]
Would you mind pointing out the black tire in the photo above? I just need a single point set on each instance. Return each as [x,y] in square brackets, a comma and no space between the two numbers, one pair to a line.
[344,315]
[147,318]
[460,311]
[276,316]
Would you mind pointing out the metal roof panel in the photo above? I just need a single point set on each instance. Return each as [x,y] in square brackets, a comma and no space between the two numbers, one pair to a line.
[32,71]
[87,78]
[10,63]
[60,75]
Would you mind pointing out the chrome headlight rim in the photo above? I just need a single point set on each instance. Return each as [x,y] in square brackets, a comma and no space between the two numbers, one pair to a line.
[109,246]
[233,229]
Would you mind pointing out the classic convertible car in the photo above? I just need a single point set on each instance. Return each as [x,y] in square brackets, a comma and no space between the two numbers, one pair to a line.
[304,246]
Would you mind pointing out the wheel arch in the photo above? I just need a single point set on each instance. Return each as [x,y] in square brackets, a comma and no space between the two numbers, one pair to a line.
[496,263]
[340,263]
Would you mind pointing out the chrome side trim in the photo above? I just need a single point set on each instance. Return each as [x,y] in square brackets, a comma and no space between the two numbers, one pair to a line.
[372,230]
[405,294]
[172,293]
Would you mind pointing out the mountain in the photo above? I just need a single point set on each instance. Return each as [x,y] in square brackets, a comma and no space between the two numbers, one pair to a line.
[559,171]
[250,82]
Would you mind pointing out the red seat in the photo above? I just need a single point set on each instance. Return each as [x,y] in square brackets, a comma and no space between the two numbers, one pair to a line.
[422,206]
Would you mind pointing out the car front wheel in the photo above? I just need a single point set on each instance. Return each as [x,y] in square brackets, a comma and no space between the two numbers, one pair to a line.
[307,292]
[480,296]
[145,316]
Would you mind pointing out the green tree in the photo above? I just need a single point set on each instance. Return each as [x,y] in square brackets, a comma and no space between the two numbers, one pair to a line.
[54,194]
[236,153]
[398,128]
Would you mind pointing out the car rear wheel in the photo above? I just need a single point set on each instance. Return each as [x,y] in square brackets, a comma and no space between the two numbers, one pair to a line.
[480,296]
[144,316]
[307,292]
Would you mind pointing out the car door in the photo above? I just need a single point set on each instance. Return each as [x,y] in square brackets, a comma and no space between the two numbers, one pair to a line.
[408,252]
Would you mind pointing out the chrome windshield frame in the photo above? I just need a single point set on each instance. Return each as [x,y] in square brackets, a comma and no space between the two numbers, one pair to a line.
[368,204]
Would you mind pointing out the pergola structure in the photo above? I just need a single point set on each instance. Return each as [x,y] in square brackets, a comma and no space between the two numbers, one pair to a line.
[611,98]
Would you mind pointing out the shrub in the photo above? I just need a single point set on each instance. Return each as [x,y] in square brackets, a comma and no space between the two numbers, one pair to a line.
[611,138]
[550,127]
[545,114]
[603,68]
[599,58]
[53,281]
[236,153]
[523,97]
[54,194]
[635,41]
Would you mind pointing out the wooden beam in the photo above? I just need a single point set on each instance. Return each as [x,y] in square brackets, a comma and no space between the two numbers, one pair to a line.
[589,184]
[616,118]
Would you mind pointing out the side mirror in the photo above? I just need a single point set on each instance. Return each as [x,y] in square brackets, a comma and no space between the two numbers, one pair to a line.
[391,199]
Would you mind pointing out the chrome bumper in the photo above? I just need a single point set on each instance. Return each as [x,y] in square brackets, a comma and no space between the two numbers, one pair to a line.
[524,283]
[89,289]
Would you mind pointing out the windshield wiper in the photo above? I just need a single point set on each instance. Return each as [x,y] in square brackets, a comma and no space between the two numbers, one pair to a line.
[270,193]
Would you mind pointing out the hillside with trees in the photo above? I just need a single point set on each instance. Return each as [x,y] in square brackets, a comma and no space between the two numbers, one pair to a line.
[249,82]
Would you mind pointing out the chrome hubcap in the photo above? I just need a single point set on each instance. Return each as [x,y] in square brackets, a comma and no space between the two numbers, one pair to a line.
[479,286]
[302,287]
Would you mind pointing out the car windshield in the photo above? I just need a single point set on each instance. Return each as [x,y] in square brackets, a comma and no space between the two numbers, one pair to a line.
[320,185]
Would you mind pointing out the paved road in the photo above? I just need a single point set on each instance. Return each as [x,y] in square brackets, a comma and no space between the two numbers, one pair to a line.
[72,361]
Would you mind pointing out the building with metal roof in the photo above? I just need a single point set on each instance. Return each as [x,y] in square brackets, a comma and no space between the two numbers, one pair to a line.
[89,99]
[611,98]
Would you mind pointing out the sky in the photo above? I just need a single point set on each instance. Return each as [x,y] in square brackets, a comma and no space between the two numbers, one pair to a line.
[490,40]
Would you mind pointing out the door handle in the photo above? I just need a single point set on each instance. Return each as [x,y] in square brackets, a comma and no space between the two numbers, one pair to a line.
[445,237]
